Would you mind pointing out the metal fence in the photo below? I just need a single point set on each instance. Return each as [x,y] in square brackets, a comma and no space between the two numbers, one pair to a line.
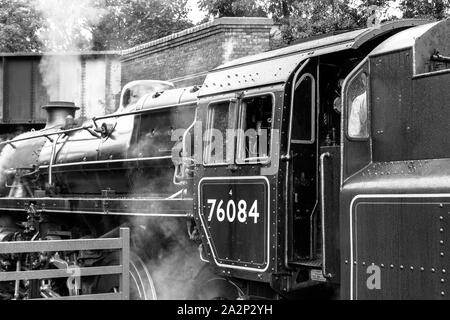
[122,243]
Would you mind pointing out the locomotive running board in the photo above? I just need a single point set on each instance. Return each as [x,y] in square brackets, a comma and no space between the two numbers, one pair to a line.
[106,206]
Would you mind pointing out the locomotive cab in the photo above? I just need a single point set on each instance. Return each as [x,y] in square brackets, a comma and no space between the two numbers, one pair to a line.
[267,188]
[394,186]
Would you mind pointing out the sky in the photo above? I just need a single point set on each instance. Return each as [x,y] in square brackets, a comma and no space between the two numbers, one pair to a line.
[196,15]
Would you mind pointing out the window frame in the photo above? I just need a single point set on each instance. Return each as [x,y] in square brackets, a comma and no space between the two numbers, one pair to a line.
[207,148]
[256,161]
[313,108]
[364,66]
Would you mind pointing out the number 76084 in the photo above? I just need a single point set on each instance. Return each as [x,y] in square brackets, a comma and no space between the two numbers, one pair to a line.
[231,211]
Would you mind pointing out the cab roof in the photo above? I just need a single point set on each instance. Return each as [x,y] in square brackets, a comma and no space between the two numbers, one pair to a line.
[274,67]
[424,40]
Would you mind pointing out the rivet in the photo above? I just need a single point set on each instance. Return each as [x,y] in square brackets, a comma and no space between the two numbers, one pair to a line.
[444,271]
[442,280]
[442,229]
[401,267]
[433,270]
[412,268]
[363,263]
[441,218]
[392,266]
[442,254]
[355,263]
[442,293]
[346,261]
[382,265]
[422,269]
[441,242]
[441,205]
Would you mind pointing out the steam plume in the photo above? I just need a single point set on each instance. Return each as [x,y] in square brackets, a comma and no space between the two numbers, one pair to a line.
[68,29]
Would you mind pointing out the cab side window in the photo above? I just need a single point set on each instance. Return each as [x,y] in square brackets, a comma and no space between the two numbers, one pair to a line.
[304,113]
[219,146]
[357,106]
[255,129]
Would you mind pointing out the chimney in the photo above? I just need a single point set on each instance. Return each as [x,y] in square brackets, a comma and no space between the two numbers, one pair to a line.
[58,111]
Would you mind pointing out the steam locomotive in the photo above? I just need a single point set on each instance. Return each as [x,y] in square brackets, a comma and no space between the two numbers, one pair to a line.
[318,169]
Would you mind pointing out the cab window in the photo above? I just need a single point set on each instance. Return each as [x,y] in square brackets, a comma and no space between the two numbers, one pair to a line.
[132,95]
[357,106]
[255,129]
[304,112]
[219,146]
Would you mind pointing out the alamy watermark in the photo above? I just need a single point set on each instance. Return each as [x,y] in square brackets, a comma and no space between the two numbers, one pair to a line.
[228,146]
[374,280]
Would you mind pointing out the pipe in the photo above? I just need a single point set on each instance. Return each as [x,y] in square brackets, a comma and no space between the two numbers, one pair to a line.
[322,208]
[17,284]
[52,160]
[46,135]
[440,58]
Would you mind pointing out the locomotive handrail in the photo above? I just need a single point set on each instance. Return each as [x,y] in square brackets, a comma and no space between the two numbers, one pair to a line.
[46,135]
[52,160]
[440,58]
[137,112]
[89,127]
[182,167]
[322,209]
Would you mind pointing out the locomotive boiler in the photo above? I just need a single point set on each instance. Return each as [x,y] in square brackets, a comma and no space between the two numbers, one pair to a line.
[316,170]
[118,165]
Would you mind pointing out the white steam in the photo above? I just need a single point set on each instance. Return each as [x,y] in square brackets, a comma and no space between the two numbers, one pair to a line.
[61,76]
[172,258]
[228,50]
[68,24]
[68,31]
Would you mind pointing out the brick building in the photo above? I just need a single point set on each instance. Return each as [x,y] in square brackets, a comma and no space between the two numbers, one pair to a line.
[185,57]
[91,80]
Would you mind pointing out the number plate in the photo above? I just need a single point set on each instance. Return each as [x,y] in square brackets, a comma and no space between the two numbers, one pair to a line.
[235,216]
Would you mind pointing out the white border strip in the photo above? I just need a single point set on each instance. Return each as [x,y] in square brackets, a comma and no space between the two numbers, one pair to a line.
[106,162]
[379,196]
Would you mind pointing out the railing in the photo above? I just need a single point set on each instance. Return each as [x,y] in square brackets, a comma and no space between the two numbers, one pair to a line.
[48,135]
[122,243]
[90,128]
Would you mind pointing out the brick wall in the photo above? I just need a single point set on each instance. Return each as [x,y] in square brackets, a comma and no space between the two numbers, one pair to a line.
[185,57]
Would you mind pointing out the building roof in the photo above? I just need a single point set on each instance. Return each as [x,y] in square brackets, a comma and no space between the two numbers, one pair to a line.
[224,21]
[71,53]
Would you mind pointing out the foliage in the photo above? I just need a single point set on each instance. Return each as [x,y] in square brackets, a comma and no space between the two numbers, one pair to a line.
[19,22]
[434,9]
[128,23]
[119,24]
[306,18]
[234,8]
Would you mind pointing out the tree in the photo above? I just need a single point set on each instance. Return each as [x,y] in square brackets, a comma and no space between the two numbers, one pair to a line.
[127,23]
[234,8]
[19,22]
[428,9]
[306,18]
